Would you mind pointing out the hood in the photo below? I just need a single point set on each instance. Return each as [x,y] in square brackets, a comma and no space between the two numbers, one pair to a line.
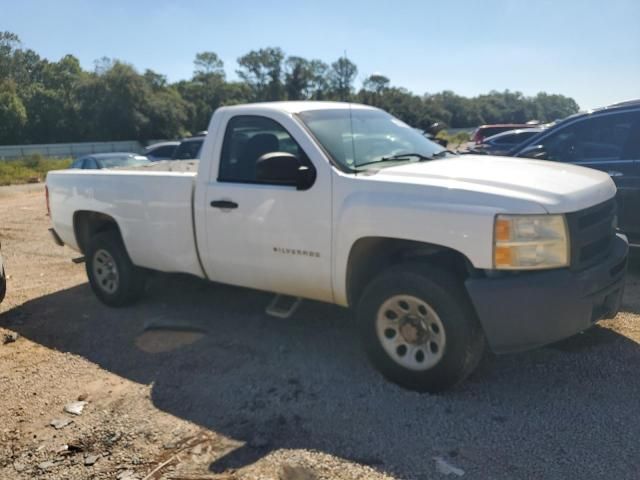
[556,187]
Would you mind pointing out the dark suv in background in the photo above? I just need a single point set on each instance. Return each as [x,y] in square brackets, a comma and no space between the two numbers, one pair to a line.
[189,148]
[606,139]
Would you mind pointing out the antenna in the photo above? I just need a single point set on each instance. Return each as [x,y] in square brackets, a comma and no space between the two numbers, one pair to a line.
[353,142]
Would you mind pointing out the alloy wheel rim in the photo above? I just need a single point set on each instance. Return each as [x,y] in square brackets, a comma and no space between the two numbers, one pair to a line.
[105,271]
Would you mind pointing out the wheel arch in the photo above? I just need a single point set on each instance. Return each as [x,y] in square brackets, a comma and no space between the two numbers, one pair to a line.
[369,256]
[88,223]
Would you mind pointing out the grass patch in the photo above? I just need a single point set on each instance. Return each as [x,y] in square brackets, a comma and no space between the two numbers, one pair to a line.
[29,169]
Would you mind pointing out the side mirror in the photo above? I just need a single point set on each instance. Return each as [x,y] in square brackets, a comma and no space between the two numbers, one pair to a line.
[537,152]
[284,169]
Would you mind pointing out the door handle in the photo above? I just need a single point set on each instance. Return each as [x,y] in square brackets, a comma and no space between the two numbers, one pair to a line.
[613,173]
[224,204]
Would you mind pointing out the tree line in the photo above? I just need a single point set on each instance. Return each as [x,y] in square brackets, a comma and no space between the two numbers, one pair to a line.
[44,101]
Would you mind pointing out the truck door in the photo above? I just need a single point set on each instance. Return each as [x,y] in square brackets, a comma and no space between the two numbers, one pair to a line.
[262,234]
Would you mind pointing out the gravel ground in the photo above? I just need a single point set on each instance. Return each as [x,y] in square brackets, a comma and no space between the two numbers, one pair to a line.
[195,382]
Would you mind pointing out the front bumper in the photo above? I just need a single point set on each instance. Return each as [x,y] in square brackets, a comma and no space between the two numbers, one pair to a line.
[528,310]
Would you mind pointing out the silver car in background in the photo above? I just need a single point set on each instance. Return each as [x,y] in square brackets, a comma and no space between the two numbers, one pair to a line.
[503,143]
[98,161]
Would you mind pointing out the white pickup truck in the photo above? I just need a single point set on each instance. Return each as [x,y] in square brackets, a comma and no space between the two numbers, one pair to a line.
[439,255]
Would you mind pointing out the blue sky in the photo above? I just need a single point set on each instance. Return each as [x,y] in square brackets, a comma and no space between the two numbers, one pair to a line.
[586,49]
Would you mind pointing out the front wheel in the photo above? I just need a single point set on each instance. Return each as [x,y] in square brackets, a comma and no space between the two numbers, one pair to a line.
[419,329]
[114,279]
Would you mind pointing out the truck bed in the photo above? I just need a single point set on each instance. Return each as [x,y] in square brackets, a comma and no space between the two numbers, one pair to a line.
[180,166]
[152,206]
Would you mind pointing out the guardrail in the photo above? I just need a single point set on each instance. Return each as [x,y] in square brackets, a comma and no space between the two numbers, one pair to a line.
[69,149]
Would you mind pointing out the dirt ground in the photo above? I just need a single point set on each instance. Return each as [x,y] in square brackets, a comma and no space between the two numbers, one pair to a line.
[196,382]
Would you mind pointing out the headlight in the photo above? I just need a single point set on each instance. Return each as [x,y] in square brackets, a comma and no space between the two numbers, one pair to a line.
[527,242]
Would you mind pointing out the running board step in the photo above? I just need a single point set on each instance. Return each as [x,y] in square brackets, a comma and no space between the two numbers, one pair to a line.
[283,306]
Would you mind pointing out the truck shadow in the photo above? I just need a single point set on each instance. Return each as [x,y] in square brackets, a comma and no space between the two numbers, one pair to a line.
[215,359]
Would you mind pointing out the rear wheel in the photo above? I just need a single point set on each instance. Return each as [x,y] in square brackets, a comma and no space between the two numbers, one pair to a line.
[113,277]
[419,329]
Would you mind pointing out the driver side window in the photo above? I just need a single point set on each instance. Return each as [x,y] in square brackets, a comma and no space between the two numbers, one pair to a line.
[246,139]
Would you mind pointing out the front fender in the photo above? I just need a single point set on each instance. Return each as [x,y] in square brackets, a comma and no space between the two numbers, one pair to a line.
[467,229]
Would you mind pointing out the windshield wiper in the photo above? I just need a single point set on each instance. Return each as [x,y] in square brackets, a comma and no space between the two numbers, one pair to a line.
[405,156]
[402,156]
[442,154]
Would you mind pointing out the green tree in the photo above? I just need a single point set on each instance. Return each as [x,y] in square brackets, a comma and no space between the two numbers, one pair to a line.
[318,88]
[156,81]
[376,83]
[113,104]
[373,88]
[343,73]
[49,101]
[549,107]
[207,63]
[262,71]
[204,92]
[13,114]
[9,42]
[298,78]
[167,112]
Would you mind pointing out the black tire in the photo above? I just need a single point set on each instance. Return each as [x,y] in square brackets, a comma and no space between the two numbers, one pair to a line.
[129,281]
[444,294]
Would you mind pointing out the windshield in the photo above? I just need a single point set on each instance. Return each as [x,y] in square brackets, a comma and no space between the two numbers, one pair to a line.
[357,137]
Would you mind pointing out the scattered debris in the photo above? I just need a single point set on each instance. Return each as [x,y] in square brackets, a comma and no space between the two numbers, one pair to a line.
[445,468]
[91,460]
[296,472]
[70,449]
[75,408]
[127,475]
[46,465]
[10,337]
[59,423]
[112,439]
